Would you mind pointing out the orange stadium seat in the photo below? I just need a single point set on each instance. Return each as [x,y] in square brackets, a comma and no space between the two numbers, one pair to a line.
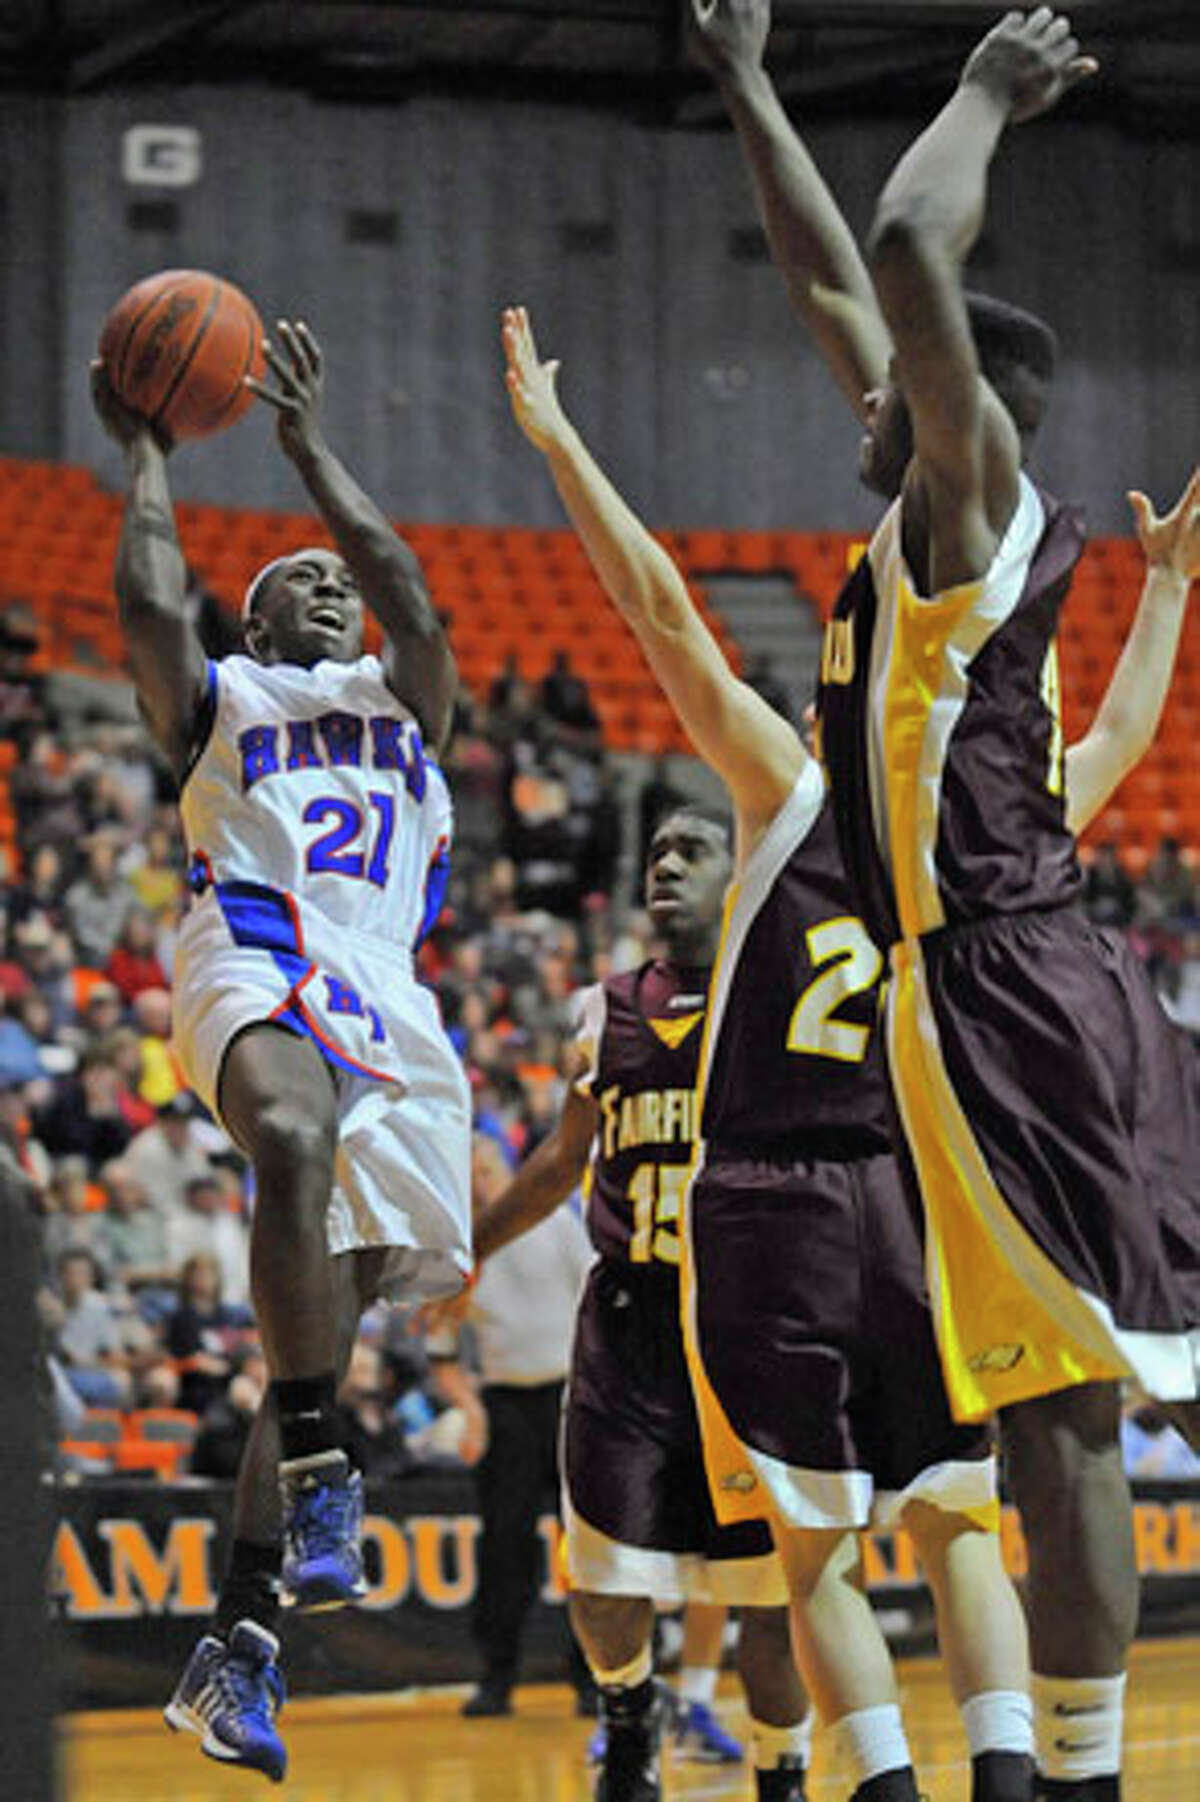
[532,591]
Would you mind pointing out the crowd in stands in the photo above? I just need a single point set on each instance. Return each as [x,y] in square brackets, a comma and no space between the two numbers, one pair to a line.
[142,1199]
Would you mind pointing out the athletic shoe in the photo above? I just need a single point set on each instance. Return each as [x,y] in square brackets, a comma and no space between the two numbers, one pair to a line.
[322,1532]
[230,1694]
[490,1699]
[629,1770]
[701,1739]
[784,1784]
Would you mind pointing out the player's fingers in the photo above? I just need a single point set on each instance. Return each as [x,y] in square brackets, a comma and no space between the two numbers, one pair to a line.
[312,349]
[297,357]
[1143,512]
[1081,68]
[281,402]
[284,369]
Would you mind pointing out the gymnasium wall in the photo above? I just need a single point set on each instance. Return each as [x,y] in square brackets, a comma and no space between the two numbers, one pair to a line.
[133,1572]
[400,231]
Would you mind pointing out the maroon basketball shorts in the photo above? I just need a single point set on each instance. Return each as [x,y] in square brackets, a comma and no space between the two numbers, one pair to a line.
[1048,1107]
[637,1508]
[812,1350]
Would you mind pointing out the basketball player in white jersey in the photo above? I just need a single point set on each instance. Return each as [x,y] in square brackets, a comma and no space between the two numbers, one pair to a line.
[318,825]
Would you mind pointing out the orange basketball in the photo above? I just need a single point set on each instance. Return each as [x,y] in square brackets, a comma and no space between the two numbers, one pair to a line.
[176,348]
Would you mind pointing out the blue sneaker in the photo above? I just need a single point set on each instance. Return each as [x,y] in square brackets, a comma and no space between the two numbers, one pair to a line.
[230,1694]
[701,1739]
[322,1532]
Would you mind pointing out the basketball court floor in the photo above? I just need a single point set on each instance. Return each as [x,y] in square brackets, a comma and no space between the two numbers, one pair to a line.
[416,1748]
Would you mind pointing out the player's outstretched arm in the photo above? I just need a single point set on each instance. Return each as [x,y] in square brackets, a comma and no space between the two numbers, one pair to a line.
[927,218]
[827,280]
[757,754]
[166,659]
[544,1181]
[417,657]
[1128,716]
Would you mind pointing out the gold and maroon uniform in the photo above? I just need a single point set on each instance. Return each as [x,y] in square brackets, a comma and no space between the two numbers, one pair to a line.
[806,1321]
[1043,1096]
[638,1513]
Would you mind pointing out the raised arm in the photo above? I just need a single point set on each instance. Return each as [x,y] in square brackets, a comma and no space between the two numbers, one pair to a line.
[927,219]
[166,659]
[417,658]
[813,246]
[1127,718]
[757,754]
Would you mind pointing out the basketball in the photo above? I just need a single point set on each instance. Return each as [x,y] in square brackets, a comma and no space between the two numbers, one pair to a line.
[176,347]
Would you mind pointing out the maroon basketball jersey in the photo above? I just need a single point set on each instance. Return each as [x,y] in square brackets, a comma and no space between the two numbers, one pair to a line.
[794,1068]
[641,1033]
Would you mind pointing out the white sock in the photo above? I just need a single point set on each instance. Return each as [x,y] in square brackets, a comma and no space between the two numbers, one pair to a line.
[625,1676]
[1077,1724]
[998,1720]
[697,1683]
[873,1741]
[771,1744]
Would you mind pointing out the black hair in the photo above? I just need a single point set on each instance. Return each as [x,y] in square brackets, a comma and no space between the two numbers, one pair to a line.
[710,812]
[1017,354]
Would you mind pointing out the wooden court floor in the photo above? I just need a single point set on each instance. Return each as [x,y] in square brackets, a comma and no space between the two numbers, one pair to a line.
[416,1748]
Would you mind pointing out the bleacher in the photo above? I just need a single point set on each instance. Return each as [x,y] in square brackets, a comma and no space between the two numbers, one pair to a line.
[512,589]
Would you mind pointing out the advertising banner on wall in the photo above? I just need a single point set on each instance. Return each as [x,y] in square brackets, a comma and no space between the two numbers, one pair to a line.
[135,1569]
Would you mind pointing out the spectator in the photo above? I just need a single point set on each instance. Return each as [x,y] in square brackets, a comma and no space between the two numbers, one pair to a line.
[225,1426]
[203,1333]
[124,1046]
[131,1237]
[157,881]
[1166,898]
[42,891]
[1152,1448]
[370,1431]
[96,904]
[565,700]
[133,964]
[102,1010]
[84,1116]
[86,1336]
[656,797]
[44,958]
[73,1218]
[161,1078]
[19,1059]
[763,677]
[204,1227]
[168,1156]
[24,1165]
[1109,896]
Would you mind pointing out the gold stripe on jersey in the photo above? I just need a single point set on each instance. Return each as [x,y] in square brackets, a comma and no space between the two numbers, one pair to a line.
[919,685]
[1009,1325]
[1052,697]
[674,1032]
[923,684]
[735,1489]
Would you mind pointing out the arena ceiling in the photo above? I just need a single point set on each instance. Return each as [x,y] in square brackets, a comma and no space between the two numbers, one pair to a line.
[625,54]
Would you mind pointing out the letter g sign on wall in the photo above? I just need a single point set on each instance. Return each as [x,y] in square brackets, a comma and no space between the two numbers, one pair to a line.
[161,156]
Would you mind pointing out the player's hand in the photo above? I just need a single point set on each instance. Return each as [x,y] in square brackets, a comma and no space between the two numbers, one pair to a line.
[729,34]
[119,421]
[1172,542]
[1028,62]
[299,375]
[532,385]
[436,1316]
